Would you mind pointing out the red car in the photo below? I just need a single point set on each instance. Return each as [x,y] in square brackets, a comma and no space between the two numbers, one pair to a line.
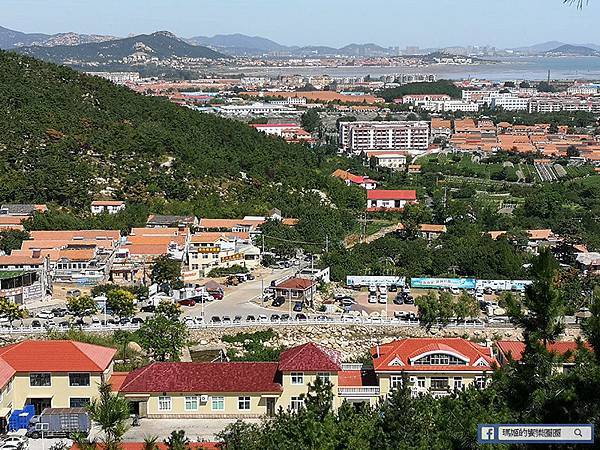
[217,295]
[187,302]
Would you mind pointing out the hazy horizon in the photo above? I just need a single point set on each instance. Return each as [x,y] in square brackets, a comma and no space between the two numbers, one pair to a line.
[425,23]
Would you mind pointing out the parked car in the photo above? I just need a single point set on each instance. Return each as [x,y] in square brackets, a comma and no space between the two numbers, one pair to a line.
[137,321]
[45,314]
[274,317]
[60,312]
[409,300]
[217,295]
[226,319]
[36,324]
[301,316]
[73,293]
[263,318]
[250,318]
[399,300]
[187,302]
[237,319]
[278,301]
[372,298]
[297,306]
[393,288]
[215,319]
[148,308]
[250,277]
[347,301]
[284,317]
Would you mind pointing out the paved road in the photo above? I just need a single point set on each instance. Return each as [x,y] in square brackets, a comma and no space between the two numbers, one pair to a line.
[243,299]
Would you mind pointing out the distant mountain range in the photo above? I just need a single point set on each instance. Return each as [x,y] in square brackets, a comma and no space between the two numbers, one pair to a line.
[572,50]
[551,46]
[10,39]
[161,45]
[242,45]
[54,47]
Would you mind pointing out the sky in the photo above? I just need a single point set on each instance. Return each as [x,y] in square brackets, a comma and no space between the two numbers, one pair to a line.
[424,23]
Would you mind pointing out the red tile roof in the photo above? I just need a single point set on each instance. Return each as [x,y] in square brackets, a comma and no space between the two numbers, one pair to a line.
[57,356]
[398,355]
[357,378]
[242,377]
[6,373]
[298,284]
[117,379]
[310,357]
[380,194]
[516,348]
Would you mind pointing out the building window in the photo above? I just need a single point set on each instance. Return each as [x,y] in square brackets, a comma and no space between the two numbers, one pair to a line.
[395,381]
[79,379]
[421,382]
[9,386]
[458,383]
[218,404]
[39,379]
[296,403]
[191,403]
[480,382]
[439,384]
[324,376]
[78,402]
[297,378]
[244,403]
[164,403]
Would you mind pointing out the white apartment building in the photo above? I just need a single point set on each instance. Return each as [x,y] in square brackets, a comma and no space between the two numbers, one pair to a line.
[509,102]
[107,206]
[450,105]
[395,161]
[582,89]
[356,137]
[256,109]
[290,101]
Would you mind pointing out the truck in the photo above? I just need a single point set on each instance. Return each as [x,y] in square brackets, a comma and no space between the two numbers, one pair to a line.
[59,422]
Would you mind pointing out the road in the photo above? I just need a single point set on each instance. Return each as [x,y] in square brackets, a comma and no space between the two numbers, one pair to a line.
[242,300]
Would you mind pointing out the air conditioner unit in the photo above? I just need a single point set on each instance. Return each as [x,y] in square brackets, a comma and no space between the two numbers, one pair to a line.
[203,398]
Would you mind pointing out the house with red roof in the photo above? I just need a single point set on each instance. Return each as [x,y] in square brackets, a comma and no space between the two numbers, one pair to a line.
[107,206]
[390,200]
[228,389]
[432,365]
[296,289]
[51,374]
[566,350]
[350,179]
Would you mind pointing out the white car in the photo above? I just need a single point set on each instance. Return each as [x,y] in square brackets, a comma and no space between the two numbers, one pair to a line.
[454,291]
[373,298]
[45,315]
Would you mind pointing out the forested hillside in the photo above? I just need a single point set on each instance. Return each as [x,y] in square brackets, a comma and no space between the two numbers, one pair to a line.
[66,137]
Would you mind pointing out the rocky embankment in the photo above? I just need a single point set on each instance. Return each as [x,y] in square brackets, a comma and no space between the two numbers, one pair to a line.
[352,341]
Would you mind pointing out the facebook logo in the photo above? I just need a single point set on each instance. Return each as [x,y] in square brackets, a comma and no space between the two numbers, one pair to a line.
[487,434]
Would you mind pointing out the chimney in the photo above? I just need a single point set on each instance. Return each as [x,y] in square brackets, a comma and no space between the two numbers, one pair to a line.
[377,347]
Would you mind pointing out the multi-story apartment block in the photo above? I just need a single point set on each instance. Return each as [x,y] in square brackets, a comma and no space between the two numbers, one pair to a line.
[509,102]
[357,137]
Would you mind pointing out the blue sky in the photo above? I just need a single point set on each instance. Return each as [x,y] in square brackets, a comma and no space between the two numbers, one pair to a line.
[426,23]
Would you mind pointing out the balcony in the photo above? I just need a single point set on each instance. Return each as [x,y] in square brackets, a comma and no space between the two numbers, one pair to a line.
[359,391]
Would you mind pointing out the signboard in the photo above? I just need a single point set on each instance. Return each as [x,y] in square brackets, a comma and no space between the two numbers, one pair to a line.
[443,283]
[374,280]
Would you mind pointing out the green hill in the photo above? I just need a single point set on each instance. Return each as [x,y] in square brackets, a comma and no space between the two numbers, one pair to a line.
[159,45]
[66,138]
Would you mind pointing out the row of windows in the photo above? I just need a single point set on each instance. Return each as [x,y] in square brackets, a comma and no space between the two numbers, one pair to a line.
[192,403]
[45,379]
[439,359]
[437,383]
[298,377]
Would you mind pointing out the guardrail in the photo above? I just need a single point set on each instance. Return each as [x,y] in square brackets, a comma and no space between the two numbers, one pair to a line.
[355,321]
[360,391]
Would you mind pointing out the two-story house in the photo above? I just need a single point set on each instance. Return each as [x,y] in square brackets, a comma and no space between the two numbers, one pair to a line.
[432,365]
[56,374]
